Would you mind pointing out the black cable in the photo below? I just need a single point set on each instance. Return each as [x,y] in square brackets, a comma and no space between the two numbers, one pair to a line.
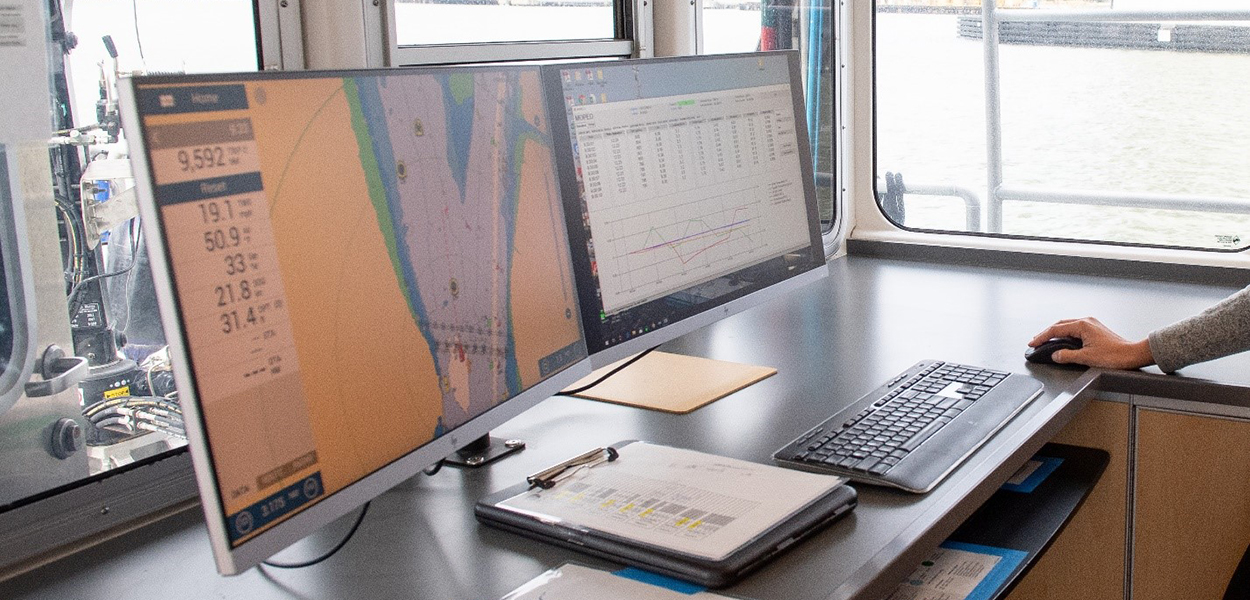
[79,253]
[363,510]
[434,468]
[77,289]
[132,402]
[134,7]
[636,358]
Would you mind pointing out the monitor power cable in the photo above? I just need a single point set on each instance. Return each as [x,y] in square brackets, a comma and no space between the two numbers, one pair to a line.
[636,358]
[351,532]
[300,565]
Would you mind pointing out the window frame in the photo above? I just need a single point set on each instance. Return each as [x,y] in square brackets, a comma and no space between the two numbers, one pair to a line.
[841,102]
[632,32]
[16,275]
[279,35]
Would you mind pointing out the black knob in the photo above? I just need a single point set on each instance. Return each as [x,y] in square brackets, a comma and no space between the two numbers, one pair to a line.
[66,438]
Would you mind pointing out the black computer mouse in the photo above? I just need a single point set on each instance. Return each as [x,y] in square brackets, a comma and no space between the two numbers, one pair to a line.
[1042,354]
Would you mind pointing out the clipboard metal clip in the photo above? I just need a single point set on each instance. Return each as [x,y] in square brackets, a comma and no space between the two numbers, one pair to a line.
[549,477]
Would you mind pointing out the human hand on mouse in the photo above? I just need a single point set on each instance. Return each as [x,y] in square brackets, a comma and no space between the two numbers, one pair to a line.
[1101,346]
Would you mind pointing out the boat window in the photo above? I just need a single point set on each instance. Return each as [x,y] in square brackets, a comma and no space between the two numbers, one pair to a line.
[750,25]
[1115,122]
[427,23]
[154,36]
[111,39]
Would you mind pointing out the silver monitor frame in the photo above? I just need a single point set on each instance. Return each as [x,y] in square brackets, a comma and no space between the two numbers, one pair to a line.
[234,560]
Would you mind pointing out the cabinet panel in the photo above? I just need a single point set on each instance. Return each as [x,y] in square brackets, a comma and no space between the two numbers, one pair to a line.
[1087,560]
[1192,504]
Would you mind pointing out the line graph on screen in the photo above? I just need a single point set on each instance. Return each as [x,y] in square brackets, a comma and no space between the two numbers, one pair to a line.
[683,243]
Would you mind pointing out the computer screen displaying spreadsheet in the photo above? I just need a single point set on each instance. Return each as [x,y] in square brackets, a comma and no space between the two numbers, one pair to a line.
[691,193]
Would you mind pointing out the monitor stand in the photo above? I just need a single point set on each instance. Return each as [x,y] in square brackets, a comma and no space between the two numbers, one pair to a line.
[650,382]
[483,451]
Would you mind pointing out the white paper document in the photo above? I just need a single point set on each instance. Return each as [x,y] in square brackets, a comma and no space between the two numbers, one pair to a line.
[690,502]
[949,574]
[575,582]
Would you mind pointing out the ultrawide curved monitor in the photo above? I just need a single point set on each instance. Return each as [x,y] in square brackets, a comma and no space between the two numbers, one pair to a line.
[359,273]
[690,194]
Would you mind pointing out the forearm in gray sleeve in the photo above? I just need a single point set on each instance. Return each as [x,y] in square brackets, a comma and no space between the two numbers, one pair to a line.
[1219,331]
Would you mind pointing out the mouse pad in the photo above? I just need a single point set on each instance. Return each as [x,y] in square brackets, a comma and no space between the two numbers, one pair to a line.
[673,383]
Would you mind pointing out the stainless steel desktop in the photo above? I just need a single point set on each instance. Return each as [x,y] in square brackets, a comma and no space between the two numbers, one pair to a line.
[831,341]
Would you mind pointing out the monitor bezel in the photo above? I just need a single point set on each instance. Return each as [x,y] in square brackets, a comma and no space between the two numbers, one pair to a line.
[231,559]
[811,263]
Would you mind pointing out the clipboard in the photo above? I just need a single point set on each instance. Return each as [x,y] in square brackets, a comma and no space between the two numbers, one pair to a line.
[685,514]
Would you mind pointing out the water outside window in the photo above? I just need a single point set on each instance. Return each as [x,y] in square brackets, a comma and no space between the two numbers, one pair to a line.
[1142,129]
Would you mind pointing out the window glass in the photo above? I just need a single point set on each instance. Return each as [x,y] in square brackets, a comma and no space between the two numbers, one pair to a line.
[473,21]
[750,25]
[156,36]
[1124,131]
[129,404]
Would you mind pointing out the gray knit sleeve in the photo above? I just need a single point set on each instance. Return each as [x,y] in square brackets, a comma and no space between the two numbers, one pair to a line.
[1219,331]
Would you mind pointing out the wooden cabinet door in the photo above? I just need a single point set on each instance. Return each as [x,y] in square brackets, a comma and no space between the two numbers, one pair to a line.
[1191,520]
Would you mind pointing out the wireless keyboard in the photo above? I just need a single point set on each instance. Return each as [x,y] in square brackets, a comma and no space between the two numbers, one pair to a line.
[913,431]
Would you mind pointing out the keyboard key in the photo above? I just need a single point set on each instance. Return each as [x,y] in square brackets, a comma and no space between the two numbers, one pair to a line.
[921,436]
[867,464]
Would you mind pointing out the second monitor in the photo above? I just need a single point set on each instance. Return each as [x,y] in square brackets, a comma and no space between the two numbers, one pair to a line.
[691,195]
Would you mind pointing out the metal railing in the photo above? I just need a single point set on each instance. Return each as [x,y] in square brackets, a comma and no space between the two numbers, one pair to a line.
[991,17]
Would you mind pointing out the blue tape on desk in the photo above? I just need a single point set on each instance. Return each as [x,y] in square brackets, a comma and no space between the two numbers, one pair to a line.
[997,576]
[1039,474]
[677,585]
